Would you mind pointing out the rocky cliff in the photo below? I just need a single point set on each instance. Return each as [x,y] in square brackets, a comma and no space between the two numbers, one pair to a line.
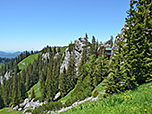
[77,52]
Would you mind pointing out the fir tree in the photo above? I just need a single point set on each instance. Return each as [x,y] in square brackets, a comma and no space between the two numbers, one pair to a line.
[1,102]
[15,90]
[33,94]
[137,51]
[111,44]
[42,84]
[63,83]
[71,73]
[101,69]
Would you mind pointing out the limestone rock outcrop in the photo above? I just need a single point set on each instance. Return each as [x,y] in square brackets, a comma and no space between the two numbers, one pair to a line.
[78,49]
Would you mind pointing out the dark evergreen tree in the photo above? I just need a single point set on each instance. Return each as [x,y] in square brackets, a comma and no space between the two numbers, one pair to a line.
[101,69]
[86,36]
[42,84]
[111,39]
[93,46]
[114,82]
[137,50]
[63,83]
[1,102]
[71,73]
[33,94]
[27,84]
[15,90]
[84,59]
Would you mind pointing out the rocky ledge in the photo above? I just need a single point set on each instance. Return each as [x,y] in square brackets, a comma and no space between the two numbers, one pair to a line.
[28,104]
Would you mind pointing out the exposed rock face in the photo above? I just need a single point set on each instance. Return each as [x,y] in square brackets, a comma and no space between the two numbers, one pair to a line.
[73,105]
[78,49]
[56,55]
[57,95]
[6,76]
[117,39]
[28,104]
[107,44]
[45,56]
[66,60]
[1,79]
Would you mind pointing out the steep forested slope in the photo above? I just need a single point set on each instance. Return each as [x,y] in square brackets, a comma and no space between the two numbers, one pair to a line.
[60,76]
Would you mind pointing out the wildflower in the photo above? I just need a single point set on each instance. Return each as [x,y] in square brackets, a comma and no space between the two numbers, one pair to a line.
[151,106]
[145,110]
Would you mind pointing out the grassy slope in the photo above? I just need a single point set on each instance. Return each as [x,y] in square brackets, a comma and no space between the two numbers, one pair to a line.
[9,111]
[130,102]
[28,60]
[68,96]
[36,88]
[62,49]
[99,88]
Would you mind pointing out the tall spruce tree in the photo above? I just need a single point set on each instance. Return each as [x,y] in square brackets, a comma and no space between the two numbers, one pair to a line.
[15,90]
[42,85]
[63,83]
[114,81]
[101,69]
[71,73]
[138,49]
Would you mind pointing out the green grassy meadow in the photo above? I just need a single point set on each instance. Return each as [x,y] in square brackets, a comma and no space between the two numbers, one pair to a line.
[137,101]
[9,111]
[36,88]
[30,59]
[68,96]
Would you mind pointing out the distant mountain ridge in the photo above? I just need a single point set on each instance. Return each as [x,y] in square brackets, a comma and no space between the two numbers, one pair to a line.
[9,54]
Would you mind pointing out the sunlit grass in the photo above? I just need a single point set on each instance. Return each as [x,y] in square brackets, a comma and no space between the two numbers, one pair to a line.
[138,101]
[9,111]
[30,59]
[36,88]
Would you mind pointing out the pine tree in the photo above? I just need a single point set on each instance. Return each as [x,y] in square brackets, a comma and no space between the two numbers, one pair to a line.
[15,90]
[22,88]
[137,51]
[1,99]
[33,94]
[71,73]
[42,84]
[93,46]
[27,84]
[86,36]
[101,69]
[5,92]
[84,59]
[23,75]
[1,102]
[111,39]
[63,83]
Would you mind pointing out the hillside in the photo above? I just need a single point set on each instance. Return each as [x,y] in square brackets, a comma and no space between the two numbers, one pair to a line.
[9,111]
[129,102]
[9,55]
[133,101]
[36,88]
[29,60]
[115,75]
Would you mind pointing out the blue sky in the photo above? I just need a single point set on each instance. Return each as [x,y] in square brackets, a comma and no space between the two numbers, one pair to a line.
[33,24]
